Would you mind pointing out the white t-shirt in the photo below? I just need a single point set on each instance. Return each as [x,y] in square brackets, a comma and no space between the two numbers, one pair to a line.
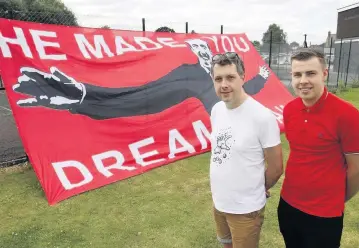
[237,168]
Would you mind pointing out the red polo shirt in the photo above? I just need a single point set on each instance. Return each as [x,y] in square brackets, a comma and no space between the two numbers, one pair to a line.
[319,136]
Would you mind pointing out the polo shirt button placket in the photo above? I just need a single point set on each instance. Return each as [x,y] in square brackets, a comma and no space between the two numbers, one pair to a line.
[306,120]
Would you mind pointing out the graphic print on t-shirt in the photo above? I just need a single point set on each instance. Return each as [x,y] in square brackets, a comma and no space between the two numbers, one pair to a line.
[224,141]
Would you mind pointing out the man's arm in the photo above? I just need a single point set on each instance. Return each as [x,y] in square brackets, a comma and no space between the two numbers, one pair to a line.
[273,156]
[352,175]
[349,141]
[270,140]
[150,98]
[257,83]
[58,90]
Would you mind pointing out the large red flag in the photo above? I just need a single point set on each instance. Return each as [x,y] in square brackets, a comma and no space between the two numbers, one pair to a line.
[95,106]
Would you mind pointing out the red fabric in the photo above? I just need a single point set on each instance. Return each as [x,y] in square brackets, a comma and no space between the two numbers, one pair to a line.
[52,136]
[315,176]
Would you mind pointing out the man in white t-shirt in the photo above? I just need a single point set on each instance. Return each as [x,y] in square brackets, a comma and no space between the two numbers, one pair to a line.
[245,135]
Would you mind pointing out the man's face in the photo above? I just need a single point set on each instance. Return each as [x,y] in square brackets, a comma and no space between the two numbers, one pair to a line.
[228,83]
[308,79]
[201,49]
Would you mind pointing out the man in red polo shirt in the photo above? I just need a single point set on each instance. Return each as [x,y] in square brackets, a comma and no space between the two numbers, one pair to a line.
[322,171]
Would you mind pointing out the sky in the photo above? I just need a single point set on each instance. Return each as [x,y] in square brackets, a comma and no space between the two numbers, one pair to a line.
[312,17]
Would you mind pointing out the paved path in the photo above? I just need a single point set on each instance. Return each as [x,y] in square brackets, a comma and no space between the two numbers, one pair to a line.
[10,143]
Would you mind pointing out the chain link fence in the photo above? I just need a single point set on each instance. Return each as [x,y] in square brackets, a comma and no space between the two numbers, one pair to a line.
[345,63]
[277,56]
[58,18]
[1,83]
[11,148]
[342,58]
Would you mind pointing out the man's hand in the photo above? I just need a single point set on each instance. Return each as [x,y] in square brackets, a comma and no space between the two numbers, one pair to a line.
[268,194]
[55,90]
[264,72]
[352,175]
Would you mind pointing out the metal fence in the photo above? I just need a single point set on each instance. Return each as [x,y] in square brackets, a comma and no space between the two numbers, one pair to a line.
[11,147]
[277,56]
[61,18]
[342,57]
[345,62]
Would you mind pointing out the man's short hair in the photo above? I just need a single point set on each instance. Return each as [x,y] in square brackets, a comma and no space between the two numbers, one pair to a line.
[229,59]
[303,54]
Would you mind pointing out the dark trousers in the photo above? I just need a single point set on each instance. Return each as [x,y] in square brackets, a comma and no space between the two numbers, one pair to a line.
[301,230]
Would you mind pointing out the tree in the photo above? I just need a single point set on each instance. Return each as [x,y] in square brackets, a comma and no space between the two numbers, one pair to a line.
[279,40]
[105,27]
[294,44]
[41,11]
[278,35]
[165,29]
[256,44]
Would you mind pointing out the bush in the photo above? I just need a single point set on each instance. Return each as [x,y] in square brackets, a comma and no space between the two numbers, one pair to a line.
[333,90]
[355,84]
[342,87]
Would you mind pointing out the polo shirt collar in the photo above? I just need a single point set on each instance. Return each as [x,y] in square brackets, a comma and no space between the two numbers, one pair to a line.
[318,104]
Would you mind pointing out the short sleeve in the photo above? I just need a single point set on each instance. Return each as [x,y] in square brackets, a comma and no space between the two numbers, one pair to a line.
[212,116]
[349,130]
[269,131]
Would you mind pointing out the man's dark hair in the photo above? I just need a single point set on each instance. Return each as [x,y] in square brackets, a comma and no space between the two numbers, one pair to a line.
[165,29]
[304,54]
[238,62]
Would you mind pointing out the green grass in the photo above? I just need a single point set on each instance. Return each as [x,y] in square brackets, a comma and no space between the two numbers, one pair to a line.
[165,208]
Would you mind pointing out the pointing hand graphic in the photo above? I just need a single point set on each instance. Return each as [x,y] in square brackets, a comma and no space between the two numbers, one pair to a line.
[53,90]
